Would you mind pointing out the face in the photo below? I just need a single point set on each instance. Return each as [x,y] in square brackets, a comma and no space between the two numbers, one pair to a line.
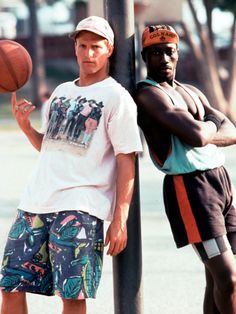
[161,61]
[92,52]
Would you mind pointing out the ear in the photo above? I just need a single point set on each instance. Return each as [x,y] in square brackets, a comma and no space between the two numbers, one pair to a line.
[75,44]
[177,50]
[177,59]
[143,54]
[110,50]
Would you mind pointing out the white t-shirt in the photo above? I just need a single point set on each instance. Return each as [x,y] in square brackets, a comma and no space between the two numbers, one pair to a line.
[85,128]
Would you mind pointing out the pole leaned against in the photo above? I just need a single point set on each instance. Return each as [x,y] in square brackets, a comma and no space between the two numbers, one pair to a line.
[127,266]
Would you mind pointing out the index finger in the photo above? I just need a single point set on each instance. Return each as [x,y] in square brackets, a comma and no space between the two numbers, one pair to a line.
[111,248]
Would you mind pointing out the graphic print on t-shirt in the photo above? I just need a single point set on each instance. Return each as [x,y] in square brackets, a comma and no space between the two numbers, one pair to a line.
[73,121]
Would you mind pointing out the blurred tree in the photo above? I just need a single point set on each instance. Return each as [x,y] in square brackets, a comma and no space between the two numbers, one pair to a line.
[230,93]
[221,91]
[80,10]
[36,42]
[39,86]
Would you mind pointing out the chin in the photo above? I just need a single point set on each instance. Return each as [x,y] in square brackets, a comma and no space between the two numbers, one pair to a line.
[163,78]
[167,77]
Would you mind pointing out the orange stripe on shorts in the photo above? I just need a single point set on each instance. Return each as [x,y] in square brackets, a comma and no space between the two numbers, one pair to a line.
[186,211]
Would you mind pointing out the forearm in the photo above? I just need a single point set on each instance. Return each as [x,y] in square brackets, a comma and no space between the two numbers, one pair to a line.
[116,235]
[34,137]
[21,110]
[192,132]
[124,186]
[226,135]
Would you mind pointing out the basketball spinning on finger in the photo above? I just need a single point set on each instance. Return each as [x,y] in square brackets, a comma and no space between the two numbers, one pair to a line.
[15,66]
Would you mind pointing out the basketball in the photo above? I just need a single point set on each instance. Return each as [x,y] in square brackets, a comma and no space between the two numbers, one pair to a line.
[15,66]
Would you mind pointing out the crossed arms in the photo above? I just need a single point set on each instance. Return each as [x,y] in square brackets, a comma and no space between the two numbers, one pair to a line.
[154,103]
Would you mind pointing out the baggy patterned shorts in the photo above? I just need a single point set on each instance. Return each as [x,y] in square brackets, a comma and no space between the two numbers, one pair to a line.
[58,253]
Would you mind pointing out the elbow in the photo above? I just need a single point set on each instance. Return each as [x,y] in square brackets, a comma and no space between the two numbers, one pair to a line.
[203,134]
[38,146]
[198,139]
[201,141]
[199,134]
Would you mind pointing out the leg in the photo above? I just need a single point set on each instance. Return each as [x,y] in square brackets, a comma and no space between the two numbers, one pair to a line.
[74,306]
[209,306]
[13,301]
[223,271]
[76,264]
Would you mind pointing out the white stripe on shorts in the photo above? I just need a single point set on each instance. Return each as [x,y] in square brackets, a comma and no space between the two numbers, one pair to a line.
[211,248]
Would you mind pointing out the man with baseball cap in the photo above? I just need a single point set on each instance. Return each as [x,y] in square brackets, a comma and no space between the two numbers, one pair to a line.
[97,25]
[183,133]
[85,175]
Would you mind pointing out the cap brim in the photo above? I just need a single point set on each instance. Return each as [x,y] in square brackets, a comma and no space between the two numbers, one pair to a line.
[75,33]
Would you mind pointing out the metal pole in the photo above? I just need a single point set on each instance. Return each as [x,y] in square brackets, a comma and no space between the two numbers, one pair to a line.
[127,266]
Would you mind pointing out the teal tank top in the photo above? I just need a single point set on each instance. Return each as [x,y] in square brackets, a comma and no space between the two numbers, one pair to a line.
[182,157]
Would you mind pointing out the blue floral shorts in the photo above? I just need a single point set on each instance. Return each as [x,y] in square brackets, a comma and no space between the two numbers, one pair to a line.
[58,253]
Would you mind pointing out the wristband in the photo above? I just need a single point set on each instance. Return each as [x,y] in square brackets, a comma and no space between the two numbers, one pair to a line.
[214,119]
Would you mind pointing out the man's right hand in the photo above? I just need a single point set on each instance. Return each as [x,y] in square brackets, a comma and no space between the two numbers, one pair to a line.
[21,110]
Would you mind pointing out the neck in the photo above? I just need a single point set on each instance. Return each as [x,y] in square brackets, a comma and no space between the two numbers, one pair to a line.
[160,81]
[89,79]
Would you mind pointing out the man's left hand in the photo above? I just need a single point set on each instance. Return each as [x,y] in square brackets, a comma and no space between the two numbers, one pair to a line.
[116,237]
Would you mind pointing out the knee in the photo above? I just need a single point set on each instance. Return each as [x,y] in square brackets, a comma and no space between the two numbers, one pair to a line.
[228,285]
[73,303]
[12,301]
[13,296]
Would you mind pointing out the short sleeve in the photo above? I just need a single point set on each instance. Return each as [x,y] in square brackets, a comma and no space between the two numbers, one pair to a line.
[122,125]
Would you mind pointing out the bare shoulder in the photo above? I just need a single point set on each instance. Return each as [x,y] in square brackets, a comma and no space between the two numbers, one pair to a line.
[195,89]
[148,95]
[200,94]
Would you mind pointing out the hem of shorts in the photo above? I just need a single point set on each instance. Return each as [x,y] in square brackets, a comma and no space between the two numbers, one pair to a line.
[27,291]
[210,257]
[57,293]
[81,299]
[231,229]
[44,294]
[180,245]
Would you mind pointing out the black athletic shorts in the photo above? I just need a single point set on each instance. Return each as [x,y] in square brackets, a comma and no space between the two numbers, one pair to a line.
[199,206]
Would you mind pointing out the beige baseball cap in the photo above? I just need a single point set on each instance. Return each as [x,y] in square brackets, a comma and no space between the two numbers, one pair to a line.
[97,25]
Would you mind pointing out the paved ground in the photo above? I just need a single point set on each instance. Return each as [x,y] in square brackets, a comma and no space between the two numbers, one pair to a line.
[173,280]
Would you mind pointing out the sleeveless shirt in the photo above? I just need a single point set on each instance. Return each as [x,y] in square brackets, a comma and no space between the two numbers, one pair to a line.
[184,158]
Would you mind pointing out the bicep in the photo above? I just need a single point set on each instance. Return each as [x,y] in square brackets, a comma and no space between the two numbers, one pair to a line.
[162,112]
[123,160]
[208,108]
[158,109]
